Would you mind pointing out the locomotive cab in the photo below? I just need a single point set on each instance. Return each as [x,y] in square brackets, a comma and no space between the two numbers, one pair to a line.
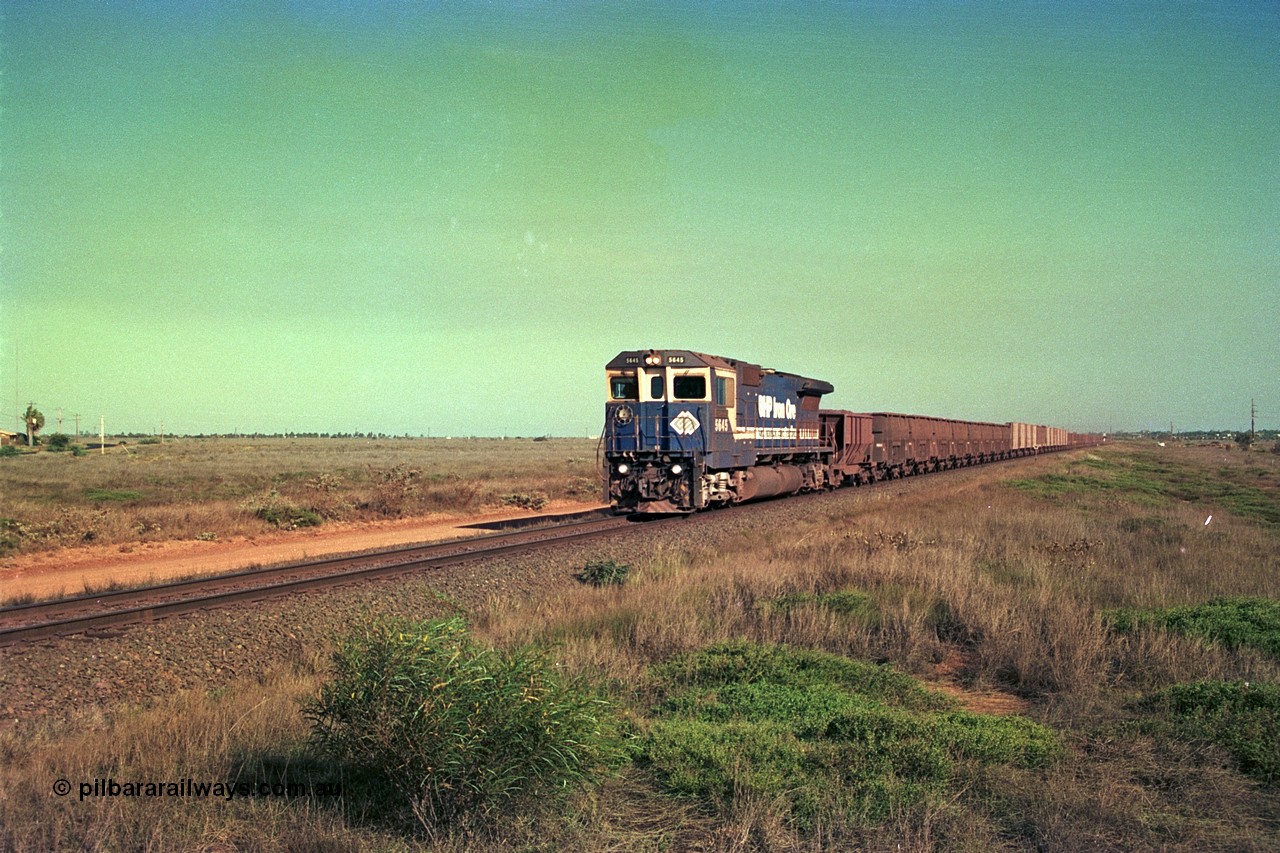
[655,430]
[686,430]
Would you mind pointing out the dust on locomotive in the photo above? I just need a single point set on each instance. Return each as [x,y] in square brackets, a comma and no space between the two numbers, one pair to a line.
[685,431]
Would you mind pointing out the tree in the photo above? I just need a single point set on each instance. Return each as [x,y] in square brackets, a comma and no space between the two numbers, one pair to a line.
[35,423]
[1244,439]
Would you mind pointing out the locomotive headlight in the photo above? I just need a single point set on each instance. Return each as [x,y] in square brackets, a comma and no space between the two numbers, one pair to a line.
[677,468]
[623,467]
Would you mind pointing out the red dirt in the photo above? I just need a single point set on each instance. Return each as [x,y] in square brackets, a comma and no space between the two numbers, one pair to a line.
[71,571]
[947,674]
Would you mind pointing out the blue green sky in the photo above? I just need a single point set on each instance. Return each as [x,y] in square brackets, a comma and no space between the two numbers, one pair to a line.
[410,217]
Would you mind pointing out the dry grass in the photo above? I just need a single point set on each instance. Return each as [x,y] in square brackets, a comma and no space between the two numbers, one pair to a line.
[1011,582]
[253,735]
[217,488]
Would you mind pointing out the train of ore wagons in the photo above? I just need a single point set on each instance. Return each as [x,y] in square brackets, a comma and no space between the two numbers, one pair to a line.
[686,431]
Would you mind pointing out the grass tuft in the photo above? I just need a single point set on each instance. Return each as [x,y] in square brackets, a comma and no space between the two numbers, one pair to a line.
[852,604]
[111,495]
[453,729]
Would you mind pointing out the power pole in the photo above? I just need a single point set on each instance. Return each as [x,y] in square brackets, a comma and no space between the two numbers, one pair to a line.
[1253,413]
[102,434]
[77,417]
[59,419]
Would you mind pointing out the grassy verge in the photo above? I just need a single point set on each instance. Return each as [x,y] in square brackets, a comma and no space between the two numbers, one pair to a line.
[217,488]
[1151,479]
[776,687]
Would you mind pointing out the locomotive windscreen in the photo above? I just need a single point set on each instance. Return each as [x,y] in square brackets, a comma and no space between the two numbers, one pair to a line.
[689,387]
[623,388]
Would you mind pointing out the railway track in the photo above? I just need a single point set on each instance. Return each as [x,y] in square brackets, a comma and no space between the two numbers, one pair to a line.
[87,614]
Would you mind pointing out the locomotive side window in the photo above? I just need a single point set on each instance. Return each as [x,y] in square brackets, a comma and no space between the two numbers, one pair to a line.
[689,387]
[724,391]
[623,388]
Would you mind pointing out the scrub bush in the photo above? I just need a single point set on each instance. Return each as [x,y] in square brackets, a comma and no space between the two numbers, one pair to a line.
[604,573]
[278,511]
[526,500]
[452,728]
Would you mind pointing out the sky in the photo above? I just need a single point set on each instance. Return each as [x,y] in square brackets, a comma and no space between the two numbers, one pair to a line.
[444,218]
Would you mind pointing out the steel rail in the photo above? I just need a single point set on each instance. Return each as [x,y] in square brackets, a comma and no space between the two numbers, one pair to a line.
[66,615]
[76,615]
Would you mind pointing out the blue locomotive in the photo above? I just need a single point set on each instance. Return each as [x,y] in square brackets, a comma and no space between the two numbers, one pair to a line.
[685,431]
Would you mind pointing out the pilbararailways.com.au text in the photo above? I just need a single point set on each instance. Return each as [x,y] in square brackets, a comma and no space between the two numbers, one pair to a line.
[190,788]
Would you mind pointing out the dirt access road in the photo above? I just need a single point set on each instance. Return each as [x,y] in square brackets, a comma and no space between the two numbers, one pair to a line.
[72,571]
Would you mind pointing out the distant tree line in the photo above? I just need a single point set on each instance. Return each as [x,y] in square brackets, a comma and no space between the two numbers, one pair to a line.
[1202,435]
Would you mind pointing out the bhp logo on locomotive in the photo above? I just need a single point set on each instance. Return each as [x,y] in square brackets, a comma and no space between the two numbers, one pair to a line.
[771,407]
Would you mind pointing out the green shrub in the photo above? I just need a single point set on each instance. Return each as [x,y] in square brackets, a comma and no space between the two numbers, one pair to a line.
[11,531]
[604,573]
[277,510]
[454,729]
[1241,717]
[8,450]
[820,733]
[1234,622]
[526,500]
[58,442]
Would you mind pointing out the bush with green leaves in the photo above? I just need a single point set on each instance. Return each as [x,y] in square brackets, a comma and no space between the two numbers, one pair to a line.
[279,511]
[604,573]
[455,729]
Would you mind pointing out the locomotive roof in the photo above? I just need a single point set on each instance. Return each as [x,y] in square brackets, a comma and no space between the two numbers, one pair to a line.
[688,358]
